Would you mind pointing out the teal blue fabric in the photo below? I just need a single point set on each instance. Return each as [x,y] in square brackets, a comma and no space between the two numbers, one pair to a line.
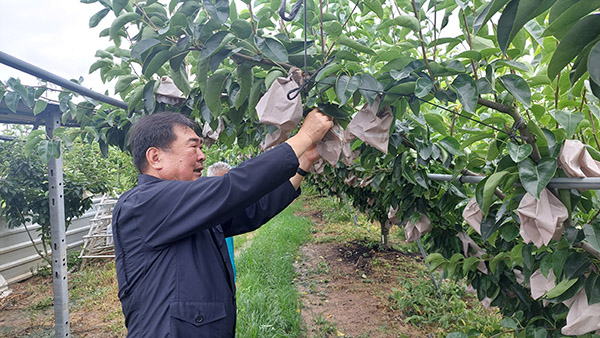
[229,241]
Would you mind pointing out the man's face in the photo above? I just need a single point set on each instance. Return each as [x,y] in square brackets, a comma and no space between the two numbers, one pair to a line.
[184,159]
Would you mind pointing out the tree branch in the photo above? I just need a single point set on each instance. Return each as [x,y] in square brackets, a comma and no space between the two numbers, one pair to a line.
[519,122]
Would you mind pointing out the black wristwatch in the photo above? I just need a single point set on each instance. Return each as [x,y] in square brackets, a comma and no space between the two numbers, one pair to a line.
[301,172]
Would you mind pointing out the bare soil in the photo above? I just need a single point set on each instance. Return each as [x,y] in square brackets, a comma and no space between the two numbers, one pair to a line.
[28,312]
[345,289]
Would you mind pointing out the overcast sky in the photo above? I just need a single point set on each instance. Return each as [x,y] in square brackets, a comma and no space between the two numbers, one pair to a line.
[53,35]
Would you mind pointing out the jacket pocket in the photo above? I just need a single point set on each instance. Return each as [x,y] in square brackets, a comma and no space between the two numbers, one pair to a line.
[197,319]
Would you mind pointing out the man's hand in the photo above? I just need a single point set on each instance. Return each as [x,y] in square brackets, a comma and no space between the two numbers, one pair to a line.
[309,157]
[315,126]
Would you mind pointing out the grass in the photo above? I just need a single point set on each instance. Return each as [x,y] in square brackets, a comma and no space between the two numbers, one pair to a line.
[267,298]
[449,308]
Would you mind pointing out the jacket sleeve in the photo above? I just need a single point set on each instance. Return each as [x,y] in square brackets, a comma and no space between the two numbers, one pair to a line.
[168,211]
[262,211]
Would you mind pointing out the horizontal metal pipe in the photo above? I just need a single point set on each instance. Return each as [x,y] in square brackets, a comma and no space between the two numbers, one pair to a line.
[587,183]
[30,69]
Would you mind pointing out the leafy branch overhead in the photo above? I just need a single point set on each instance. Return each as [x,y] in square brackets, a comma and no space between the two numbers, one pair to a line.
[489,88]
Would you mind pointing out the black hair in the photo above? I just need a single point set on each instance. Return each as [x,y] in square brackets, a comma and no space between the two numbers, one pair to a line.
[155,130]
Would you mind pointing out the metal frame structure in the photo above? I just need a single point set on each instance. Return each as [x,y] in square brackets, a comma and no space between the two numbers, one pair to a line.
[51,117]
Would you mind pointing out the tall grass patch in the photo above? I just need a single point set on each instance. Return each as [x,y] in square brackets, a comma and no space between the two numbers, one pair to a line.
[267,297]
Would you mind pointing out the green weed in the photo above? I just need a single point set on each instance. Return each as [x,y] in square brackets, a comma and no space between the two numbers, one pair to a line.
[267,298]
[447,307]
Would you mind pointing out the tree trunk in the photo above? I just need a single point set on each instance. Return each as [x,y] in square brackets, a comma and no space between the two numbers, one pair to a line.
[385,231]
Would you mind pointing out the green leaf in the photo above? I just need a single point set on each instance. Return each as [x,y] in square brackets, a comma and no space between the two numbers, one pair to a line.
[506,23]
[594,63]
[470,264]
[370,87]
[153,63]
[348,42]
[487,13]
[423,87]
[451,145]
[180,79]
[375,7]
[121,21]
[333,111]
[245,79]
[39,107]
[241,28]
[333,28]
[140,47]
[519,152]
[218,9]
[470,54]
[577,38]
[148,96]
[271,48]
[524,11]
[408,22]
[345,86]
[509,323]
[576,265]
[436,122]
[124,82]
[135,98]
[466,89]
[489,188]
[502,256]
[535,178]
[592,288]
[212,44]
[96,18]
[271,76]
[570,16]
[435,260]
[118,6]
[46,150]
[255,95]
[102,63]
[33,139]
[559,289]
[569,121]
[214,88]
[517,87]
[592,235]
[11,99]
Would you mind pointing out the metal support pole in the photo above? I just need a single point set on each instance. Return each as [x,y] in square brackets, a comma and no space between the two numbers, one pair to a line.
[424,254]
[58,232]
[354,218]
[587,183]
[38,72]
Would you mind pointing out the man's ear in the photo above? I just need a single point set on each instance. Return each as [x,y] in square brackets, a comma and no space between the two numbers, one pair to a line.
[153,157]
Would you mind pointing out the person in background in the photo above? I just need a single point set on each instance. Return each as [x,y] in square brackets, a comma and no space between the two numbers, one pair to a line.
[173,269]
[219,169]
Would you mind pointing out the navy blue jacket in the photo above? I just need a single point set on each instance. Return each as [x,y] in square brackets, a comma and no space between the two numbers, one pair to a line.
[174,273]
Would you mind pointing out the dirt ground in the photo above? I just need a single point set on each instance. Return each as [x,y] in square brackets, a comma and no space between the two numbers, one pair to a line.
[28,312]
[345,288]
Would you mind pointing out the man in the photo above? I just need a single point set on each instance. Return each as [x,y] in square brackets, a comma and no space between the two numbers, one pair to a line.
[219,169]
[175,278]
